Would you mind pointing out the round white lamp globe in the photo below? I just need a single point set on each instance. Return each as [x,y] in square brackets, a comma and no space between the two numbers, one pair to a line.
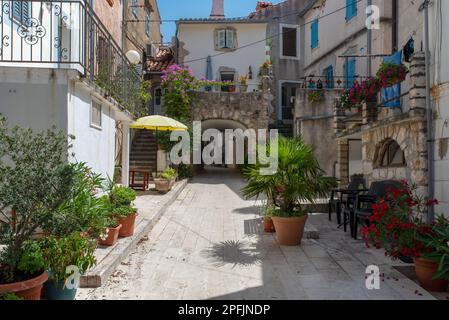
[133,56]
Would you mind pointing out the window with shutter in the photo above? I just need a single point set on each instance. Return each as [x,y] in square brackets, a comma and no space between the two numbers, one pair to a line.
[229,39]
[21,11]
[349,71]
[135,8]
[314,35]
[147,24]
[225,38]
[95,114]
[329,75]
[351,9]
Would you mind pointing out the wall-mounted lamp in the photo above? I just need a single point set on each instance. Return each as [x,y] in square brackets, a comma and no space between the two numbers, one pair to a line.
[250,73]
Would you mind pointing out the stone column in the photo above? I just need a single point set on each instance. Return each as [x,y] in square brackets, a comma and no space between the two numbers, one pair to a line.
[125,153]
[343,161]
[339,117]
[418,84]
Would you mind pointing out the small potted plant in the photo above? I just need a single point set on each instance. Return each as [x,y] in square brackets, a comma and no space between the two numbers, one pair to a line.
[166,180]
[243,83]
[111,233]
[121,199]
[61,255]
[268,225]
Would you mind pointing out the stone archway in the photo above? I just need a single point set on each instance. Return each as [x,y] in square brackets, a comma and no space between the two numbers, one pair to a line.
[411,138]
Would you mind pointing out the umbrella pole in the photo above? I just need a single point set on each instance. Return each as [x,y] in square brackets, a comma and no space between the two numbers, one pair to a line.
[157,152]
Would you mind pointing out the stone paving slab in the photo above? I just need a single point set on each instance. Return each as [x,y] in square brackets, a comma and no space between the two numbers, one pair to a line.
[201,248]
[151,206]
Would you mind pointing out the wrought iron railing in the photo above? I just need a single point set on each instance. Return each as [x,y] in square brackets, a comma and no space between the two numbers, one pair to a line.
[335,82]
[67,34]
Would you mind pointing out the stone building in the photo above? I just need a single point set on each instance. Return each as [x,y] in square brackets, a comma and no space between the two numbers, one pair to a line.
[142,26]
[286,52]
[333,61]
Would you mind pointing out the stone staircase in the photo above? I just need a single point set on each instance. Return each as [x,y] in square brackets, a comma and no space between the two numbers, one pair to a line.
[143,151]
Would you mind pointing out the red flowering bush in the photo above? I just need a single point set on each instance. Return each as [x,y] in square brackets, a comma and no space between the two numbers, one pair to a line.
[390,74]
[397,223]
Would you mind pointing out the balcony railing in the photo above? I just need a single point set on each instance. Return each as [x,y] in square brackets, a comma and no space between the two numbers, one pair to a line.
[69,35]
[335,82]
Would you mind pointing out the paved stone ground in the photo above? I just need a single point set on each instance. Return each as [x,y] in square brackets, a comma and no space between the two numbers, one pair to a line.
[210,245]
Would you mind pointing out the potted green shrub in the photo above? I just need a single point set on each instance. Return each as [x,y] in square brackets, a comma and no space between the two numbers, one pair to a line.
[111,233]
[268,225]
[61,254]
[83,211]
[166,180]
[121,199]
[298,178]
[34,182]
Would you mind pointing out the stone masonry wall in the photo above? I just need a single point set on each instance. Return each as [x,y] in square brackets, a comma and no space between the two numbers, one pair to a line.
[250,108]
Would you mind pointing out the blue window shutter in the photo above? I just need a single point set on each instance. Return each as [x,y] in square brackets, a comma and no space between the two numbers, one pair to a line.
[314,36]
[21,10]
[329,74]
[135,8]
[351,72]
[351,9]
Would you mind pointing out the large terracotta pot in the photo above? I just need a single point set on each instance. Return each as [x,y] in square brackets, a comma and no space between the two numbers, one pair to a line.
[425,270]
[127,223]
[111,237]
[289,231]
[28,289]
[162,185]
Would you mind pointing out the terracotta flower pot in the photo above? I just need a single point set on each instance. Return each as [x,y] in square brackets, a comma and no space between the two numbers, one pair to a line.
[28,289]
[162,185]
[111,237]
[127,229]
[289,231]
[425,270]
[268,225]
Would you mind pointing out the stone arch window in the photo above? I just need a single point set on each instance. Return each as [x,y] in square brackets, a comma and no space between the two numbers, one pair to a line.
[225,39]
[391,155]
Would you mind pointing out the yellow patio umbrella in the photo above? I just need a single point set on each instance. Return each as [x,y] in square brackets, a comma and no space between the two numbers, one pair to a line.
[158,123]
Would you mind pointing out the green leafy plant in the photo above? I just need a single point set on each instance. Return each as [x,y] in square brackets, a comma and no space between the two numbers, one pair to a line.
[438,240]
[10,296]
[35,180]
[119,200]
[169,174]
[185,171]
[83,210]
[298,178]
[316,96]
[72,250]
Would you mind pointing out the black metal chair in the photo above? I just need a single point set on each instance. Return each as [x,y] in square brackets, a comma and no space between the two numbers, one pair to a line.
[339,197]
[363,205]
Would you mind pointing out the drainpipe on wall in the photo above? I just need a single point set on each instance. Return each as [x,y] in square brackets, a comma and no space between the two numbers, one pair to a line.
[369,42]
[430,140]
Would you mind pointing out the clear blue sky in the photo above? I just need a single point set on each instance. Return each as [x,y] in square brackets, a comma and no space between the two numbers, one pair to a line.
[175,9]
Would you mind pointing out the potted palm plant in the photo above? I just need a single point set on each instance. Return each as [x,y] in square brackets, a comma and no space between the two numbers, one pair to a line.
[298,178]
[166,180]
[34,182]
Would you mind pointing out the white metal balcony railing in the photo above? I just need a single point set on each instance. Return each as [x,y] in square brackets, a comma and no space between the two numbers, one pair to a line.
[66,34]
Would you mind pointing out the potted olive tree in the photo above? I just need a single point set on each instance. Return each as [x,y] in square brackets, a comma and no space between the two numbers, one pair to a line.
[35,179]
[166,180]
[298,178]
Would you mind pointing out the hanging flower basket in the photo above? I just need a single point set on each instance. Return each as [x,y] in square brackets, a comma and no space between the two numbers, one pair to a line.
[390,74]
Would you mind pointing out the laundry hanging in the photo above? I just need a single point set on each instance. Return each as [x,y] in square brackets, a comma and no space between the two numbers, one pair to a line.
[388,94]
[409,50]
